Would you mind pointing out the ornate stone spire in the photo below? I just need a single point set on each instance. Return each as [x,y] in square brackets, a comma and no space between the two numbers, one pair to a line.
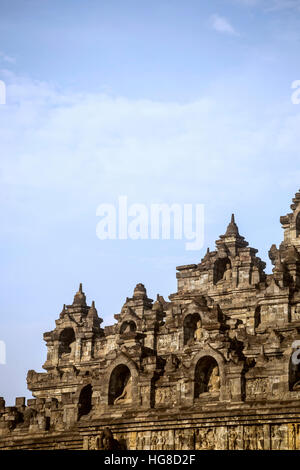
[206,256]
[92,310]
[232,236]
[291,224]
[92,316]
[139,291]
[157,306]
[232,229]
[79,298]
[296,201]
[63,312]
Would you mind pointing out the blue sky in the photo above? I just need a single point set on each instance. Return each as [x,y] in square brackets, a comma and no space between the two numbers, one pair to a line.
[162,101]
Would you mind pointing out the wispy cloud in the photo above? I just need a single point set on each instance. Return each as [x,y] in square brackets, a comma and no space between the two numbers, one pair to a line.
[6,58]
[248,2]
[272,5]
[277,5]
[222,25]
[52,138]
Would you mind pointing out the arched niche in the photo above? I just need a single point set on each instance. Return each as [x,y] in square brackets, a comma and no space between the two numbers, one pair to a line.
[298,225]
[257,316]
[191,324]
[222,270]
[85,400]
[207,377]
[120,386]
[128,326]
[294,371]
[66,342]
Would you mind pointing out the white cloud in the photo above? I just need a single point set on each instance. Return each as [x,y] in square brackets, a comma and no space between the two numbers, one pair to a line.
[222,25]
[95,145]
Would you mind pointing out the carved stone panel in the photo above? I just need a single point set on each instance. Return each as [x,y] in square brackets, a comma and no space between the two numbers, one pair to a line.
[258,386]
[145,395]
[234,437]
[279,437]
[294,436]
[253,438]
[165,395]
[143,440]
[205,439]
[184,439]
[162,440]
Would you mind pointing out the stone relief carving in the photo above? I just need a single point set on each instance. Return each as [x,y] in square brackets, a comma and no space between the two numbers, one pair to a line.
[294,436]
[205,439]
[105,441]
[259,386]
[161,440]
[250,436]
[141,441]
[164,395]
[145,394]
[184,439]
[233,433]
[279,437]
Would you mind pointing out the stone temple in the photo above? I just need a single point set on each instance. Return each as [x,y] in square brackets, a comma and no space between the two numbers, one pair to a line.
[213,367]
